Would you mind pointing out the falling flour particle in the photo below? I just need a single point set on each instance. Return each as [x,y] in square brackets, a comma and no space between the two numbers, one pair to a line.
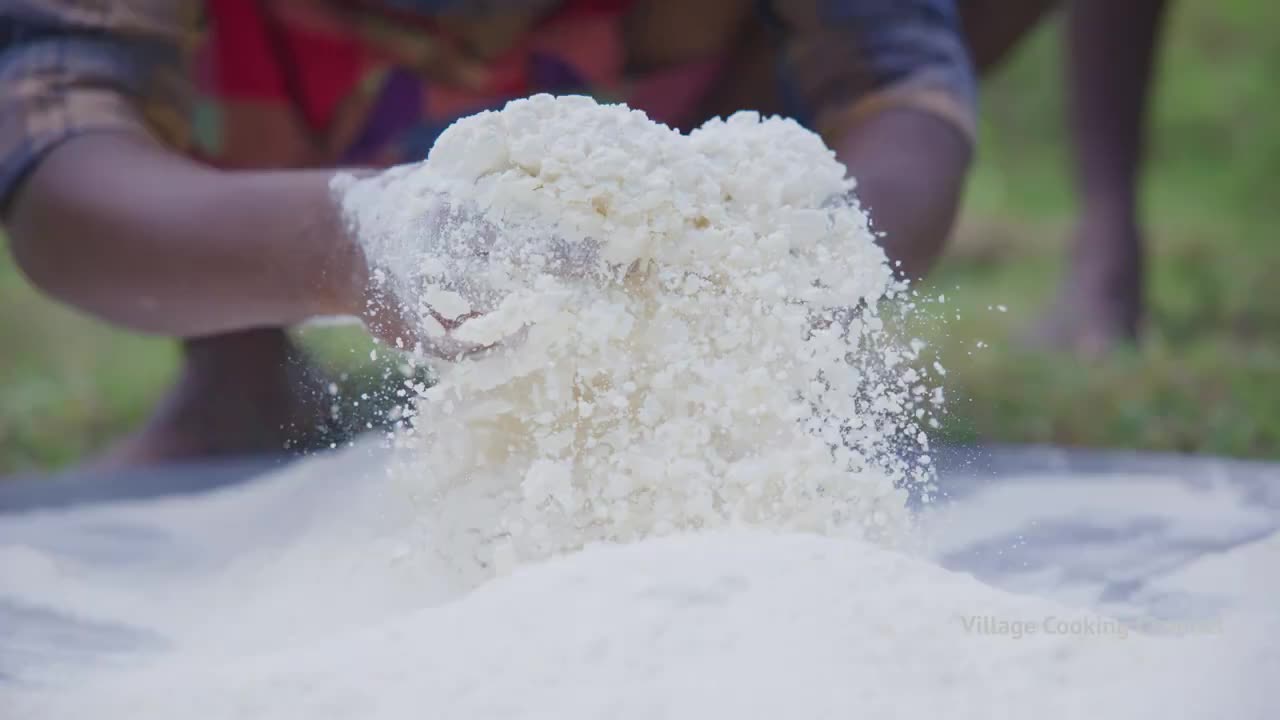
[681,330]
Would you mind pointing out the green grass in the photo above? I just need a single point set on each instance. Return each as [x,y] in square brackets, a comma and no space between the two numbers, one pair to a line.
[67,384]
[1202,381]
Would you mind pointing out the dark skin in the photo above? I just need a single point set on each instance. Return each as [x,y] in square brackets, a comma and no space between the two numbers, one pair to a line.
[161,254]
[911,166]
[912,177]
[912,197]
[167,257]
[1112,48]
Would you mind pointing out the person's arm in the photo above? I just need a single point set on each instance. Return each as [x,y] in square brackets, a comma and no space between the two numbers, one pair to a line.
[890,85]
[104,214]
[127,230]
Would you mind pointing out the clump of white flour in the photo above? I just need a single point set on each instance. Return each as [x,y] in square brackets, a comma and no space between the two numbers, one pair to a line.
[681,330]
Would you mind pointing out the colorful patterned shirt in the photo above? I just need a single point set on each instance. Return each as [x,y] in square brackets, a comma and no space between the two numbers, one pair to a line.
[294,83]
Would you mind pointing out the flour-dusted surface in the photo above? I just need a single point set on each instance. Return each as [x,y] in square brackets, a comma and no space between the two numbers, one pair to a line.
[315,593]
[730,625]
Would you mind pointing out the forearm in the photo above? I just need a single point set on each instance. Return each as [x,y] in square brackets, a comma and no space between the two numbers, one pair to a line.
[126,230]
[910,167]
[1111,47]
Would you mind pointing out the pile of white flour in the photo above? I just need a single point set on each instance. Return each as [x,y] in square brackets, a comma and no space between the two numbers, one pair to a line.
[661,475]
[730,625]
[682,330]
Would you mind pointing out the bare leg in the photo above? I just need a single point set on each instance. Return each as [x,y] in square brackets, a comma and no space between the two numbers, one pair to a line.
[911,196]
[993,28]
[241,393]
[1111,49]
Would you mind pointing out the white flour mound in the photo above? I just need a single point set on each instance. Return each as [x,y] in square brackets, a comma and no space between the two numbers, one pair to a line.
[723,625]
[683,328]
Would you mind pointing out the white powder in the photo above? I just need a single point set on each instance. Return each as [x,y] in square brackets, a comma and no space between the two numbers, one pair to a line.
[727,625]
[684,328]
[684,342]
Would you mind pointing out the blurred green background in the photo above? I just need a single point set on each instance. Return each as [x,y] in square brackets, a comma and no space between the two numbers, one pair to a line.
[1203,380]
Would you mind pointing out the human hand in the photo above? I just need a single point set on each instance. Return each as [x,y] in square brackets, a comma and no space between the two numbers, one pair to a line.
[433,261]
